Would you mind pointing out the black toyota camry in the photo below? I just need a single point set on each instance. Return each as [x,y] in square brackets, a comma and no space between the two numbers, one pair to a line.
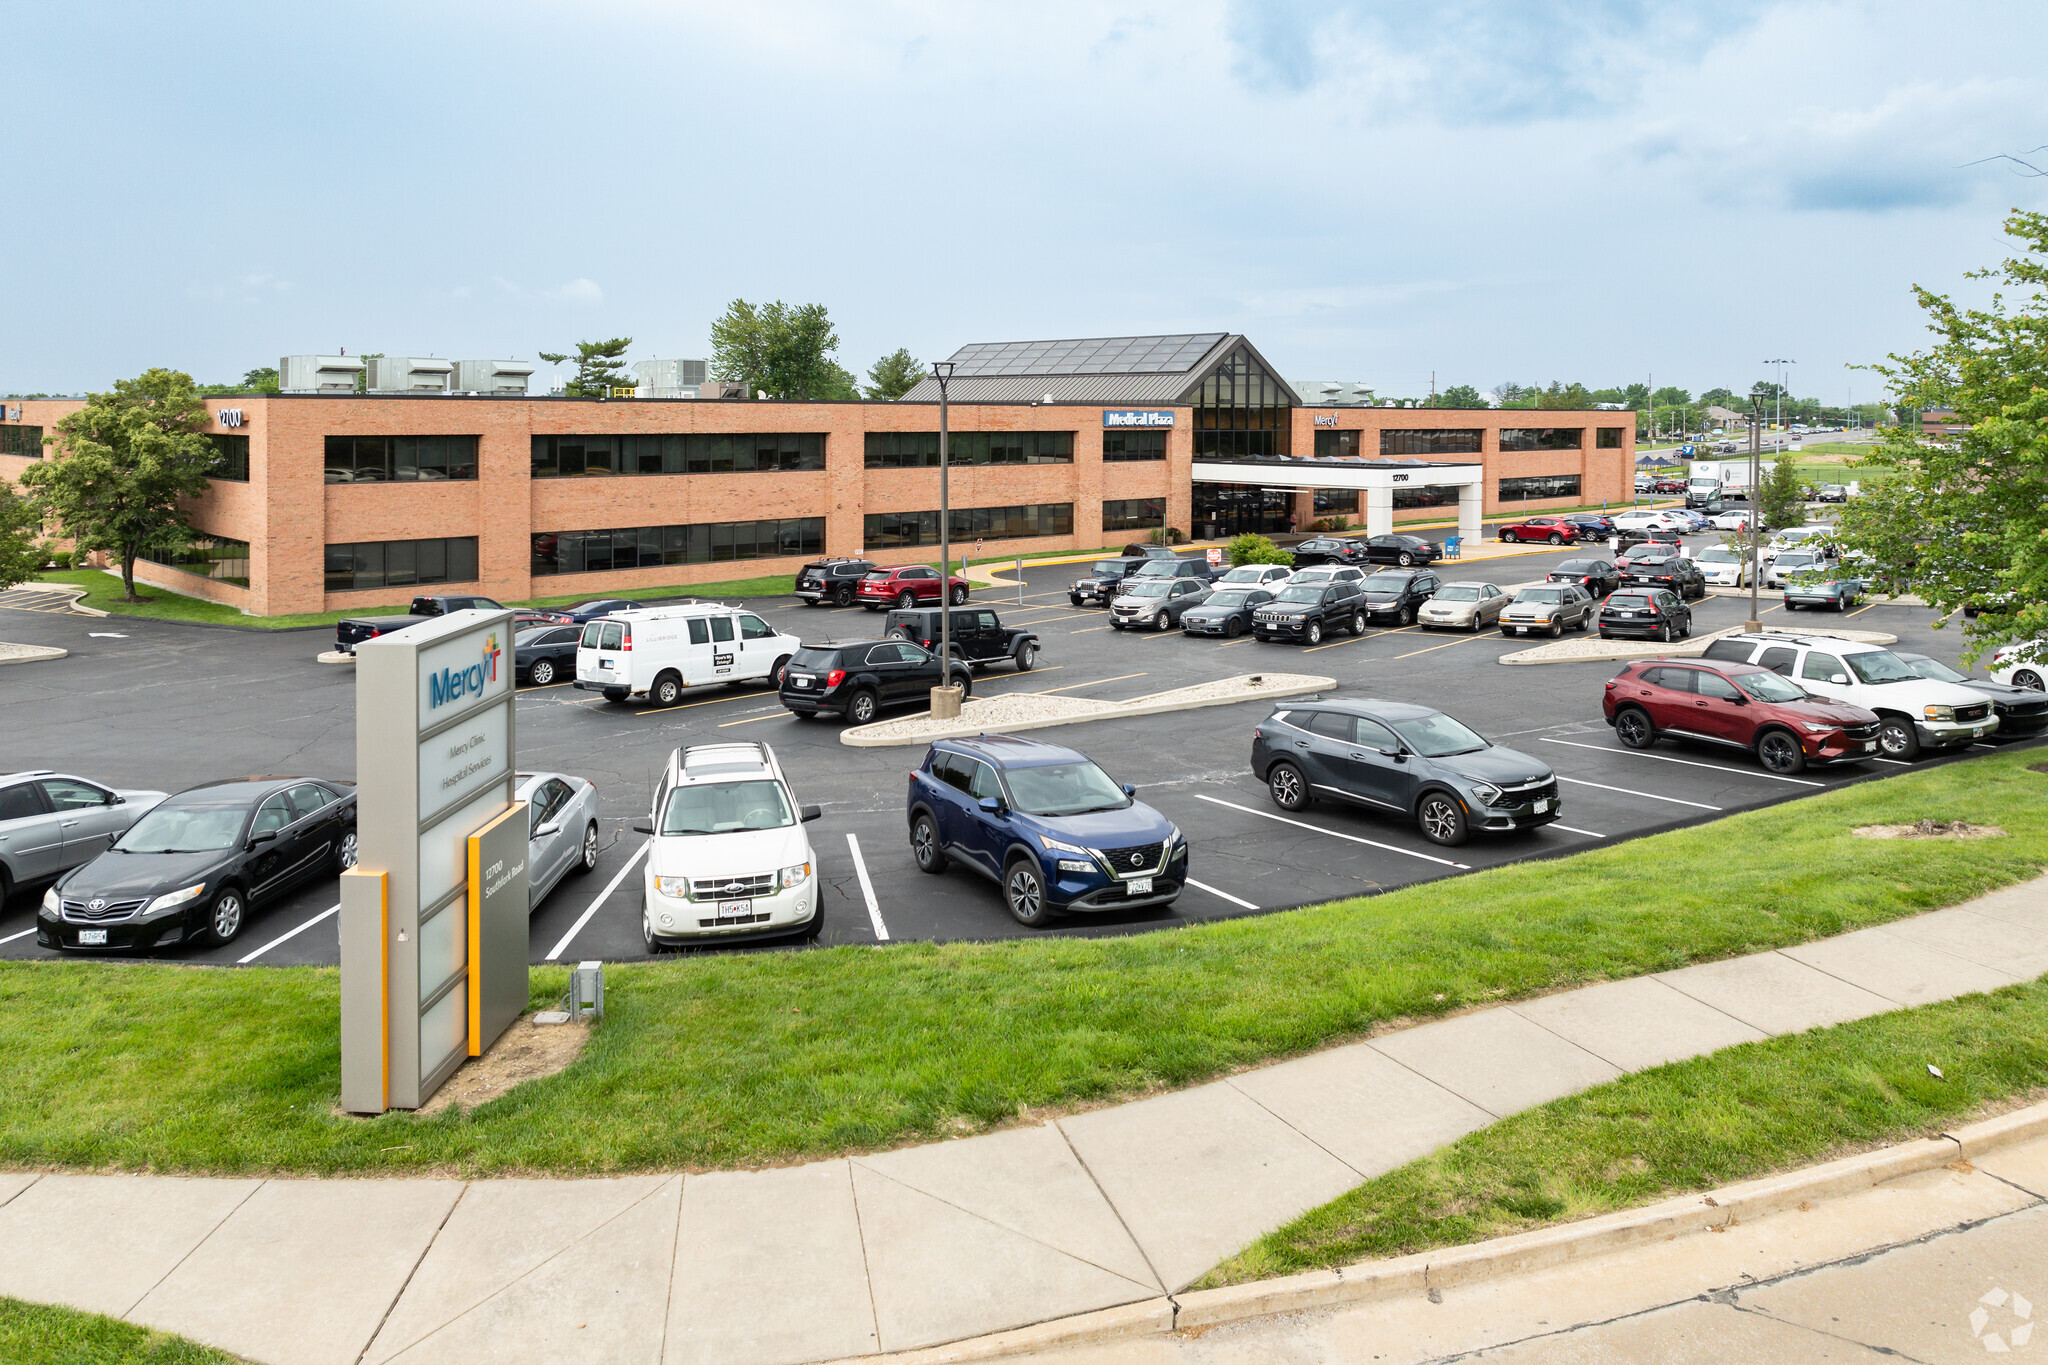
[196,866]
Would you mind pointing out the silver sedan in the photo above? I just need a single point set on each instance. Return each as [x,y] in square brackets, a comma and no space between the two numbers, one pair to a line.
[1462,606]
[561,823]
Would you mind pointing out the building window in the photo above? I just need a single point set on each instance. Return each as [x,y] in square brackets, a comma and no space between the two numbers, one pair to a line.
[1134,514]
[1338,443]
[215,557]
[400,563]
[1458,441]
[1330,501]
[903,530]
[920,449]
[1608,438]
[722,453]
[1242,410]
[652,547]
[1540,486]
[1133,445]
[1427,495]
[1542,438]
[400,459]
[231,459]
[26,442]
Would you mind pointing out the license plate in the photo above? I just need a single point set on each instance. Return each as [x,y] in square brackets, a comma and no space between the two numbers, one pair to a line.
[97,938]
[1140,886]
[1869,746]
[799,682]
[1977,733]
[1543,806]
[734,909]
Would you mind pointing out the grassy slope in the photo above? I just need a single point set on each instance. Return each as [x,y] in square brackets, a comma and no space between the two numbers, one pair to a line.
[37,1334]
[1741,1113]
[719,1061]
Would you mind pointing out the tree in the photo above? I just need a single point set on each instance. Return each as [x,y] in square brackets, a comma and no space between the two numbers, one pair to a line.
[262,380]
[1569,396]
[778,350]
[1779,501]
[1458,396]
[894,375]
[599,367]
[122,464]
[22,552]
[1965,522]
[1721,398]
[1671,396]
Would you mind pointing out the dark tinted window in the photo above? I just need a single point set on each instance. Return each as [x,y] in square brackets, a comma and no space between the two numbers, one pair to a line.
[1735,651]
[821,660]
[700,631]
[1714,685]
[1677,679]
[19,802]
[1779,659]
[1335,725]
[1373,735]
[721,628]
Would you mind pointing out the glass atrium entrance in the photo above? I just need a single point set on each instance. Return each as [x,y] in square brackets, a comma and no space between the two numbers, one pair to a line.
[1235,509]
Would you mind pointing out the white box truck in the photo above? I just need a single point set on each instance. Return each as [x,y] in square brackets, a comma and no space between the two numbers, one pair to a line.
[1731,475]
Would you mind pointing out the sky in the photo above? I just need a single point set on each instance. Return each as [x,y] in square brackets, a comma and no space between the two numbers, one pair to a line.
[1388,193]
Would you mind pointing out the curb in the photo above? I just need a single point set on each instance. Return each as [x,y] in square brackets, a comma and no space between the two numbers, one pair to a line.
[333,656]
[1129,1322]
[1687,649]
[1125,711]
[34,654]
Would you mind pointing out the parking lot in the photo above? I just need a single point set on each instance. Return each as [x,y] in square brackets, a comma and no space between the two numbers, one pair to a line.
[147,704]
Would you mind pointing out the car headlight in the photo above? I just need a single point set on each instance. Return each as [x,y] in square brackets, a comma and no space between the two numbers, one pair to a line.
[1486,793]
[679,887]
[52,902]
[1175,839]
[1940,713]
[1059,846]
[175,898]
[1076,865]
[795,875]
[1818,727]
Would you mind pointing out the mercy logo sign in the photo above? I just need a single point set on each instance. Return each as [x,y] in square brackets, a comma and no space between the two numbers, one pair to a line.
[451,684]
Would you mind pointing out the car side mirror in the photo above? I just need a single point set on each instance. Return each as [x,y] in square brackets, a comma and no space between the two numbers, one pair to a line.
[262,836]
[116,799]
[643,827]
[547,829]
[991,805]
[1129,790]
[808,814]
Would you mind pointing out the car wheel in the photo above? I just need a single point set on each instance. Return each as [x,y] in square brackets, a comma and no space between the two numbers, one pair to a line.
[1288,787]
[542,674]
[2027,678]
[1605,636]
[1358,623]
[781,666]
[1664,633]
[1404,559]
[860,708]
[224,918]
[586,860]
[1633,727]
[924,844]
[965,682]
[615,694]
[647,932]
[1233,628]
[1026,655]
[1780,752]
[1897,739]
[1314,634]
[1440,819]
[1073,599]
[345,852]
[1024,890]
[668,690]
[1556,629]
[1507,536]
[1407,616]
[1115,624]
[844,597]
[905,600]
[959,594]
[1162,621]
[1556,539]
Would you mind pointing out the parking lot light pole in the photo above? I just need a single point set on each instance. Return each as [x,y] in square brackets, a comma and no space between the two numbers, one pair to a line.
[945,697]
[1754,522]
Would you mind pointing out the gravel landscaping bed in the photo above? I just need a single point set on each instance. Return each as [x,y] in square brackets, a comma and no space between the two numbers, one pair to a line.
[1028,711]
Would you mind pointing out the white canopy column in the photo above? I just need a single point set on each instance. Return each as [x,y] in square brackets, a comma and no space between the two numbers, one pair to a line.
[1379,510]
[1471,502]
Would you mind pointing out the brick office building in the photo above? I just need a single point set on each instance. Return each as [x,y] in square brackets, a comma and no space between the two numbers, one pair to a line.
[325,501]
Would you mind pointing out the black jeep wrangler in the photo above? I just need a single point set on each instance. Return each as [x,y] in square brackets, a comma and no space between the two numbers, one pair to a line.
[979,636]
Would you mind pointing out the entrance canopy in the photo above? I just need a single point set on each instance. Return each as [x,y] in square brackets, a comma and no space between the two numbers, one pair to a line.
[1377,479]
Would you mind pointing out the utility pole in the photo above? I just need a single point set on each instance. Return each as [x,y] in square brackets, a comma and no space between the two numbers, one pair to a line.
[1753,524]
[945,697]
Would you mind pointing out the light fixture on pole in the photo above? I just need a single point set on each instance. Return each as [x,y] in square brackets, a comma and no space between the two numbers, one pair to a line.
[945,697]
[1753,523]
[1783,379]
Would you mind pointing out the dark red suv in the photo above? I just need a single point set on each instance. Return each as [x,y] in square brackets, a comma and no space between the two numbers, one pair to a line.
[904,588]
[1556,530]
[1737,706]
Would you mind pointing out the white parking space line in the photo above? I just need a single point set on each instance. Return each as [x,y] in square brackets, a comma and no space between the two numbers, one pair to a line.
[286,937]
[1225,895]
[1317,829]
[555,953]
[1896,762]
[1121,677]
[1587,832]
[867,889]
[1651,796]
[23,934]
[1688,762]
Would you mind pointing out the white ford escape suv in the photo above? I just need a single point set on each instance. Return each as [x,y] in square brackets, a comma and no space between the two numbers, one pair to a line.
[1915,713]
[730,860]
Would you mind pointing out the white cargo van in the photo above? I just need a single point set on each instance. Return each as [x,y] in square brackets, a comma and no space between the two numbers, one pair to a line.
[656,652]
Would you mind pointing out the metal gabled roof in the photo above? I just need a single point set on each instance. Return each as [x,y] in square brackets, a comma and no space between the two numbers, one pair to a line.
[1142,369]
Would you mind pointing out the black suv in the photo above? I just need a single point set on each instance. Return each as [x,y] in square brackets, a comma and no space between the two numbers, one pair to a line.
[1399,593]
[979,635]
[857,678]
[1105,576]
[1305,612]
[1646,569]
[1176,567]
[1329,550]
[1402,550]
[1627,538]
[830,580]
[1655,612]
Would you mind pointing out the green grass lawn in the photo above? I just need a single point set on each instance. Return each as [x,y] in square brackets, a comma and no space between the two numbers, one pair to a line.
[731,1060]
[1738,1114]
[36,1334]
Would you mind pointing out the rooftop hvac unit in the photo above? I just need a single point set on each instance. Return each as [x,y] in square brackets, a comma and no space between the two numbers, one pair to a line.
[318,373]
[491,376]
[408,374]
[670,378]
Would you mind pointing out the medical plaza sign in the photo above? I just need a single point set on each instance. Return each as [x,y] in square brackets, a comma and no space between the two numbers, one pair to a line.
[1137,417]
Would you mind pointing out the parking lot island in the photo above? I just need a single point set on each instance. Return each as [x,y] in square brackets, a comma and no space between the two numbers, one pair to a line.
[1037,710]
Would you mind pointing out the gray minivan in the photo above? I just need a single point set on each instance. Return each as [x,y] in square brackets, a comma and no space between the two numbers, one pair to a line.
[52,822]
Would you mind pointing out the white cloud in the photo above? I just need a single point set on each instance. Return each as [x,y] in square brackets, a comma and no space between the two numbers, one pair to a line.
[576,291]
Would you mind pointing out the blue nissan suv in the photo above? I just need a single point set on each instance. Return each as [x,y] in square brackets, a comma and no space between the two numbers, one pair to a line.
[1044,823]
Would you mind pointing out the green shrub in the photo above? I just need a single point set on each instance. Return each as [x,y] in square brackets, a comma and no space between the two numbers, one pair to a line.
[1256,549]
[1330,524]
[1168,535]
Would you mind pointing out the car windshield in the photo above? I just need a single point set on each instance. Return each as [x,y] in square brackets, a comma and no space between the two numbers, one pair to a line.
[722,807]
[1064,789]
[878,573]
[1881,666]
[1577,566]
[1230,601]
[824,660]
[1247,573]
[1454,593]
[1151,587]
[1299,593]
[1438,736]
[1112,568]
[1718,556]
[1387,582]
[527,637]
[1551,596]
[1795,558]
[588,606]
[1628,599]
[184,829]
[1933,668]
[1769,686]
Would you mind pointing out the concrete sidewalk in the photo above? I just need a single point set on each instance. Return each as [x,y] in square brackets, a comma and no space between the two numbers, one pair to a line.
[924,1245]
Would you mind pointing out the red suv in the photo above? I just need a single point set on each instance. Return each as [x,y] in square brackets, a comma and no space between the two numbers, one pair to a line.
[904,588]
[1555,530]
[1740,706]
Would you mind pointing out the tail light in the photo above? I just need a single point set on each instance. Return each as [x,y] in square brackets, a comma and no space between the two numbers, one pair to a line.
[834,678]
[627,642]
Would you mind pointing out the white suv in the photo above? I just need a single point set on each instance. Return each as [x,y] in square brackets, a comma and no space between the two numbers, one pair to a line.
[1915,713]
[2023,663]
[730,859]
